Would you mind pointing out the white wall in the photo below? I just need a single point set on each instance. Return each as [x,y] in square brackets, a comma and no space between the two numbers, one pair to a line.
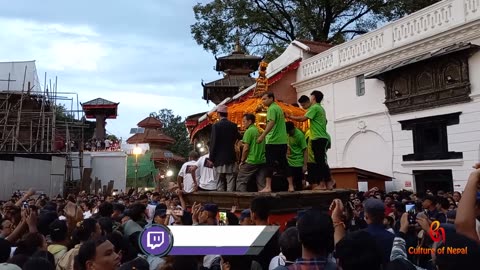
[23,173]
[291,54]
[106,166]
[6,179]
[464,137]
[353,105]
[434,23]
[364,135]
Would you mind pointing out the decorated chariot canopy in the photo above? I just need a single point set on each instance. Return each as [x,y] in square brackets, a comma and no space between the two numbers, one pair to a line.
[254,105]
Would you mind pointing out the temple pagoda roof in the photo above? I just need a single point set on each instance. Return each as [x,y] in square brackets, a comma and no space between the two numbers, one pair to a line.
[100,106]
[99,102]
[238,59]
[240,56]
[150,122]
[152,136]
[231,81]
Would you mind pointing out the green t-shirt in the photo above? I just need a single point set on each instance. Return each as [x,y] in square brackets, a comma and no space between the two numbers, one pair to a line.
[278,134]
[318,122]
[311,157]
[256,151]
[297,144]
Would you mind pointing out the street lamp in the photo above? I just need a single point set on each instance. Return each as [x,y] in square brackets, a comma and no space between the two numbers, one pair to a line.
[168,155]
[136,151]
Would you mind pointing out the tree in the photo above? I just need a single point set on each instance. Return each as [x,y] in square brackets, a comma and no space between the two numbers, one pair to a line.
[62,114]
[267,26]
[174,126]
[112,137]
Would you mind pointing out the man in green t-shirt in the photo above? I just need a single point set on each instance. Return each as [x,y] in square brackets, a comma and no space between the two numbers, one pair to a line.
[318,135]
[297,157]
[276,139]
[252,161]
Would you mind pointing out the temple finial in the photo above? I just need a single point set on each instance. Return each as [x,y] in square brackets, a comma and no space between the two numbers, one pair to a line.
[238,49]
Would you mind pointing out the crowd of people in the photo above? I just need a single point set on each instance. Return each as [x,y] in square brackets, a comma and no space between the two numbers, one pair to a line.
[102,145]
[372,230]
[236,162]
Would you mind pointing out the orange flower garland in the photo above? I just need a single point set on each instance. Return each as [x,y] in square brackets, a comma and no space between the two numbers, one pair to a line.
[254,105]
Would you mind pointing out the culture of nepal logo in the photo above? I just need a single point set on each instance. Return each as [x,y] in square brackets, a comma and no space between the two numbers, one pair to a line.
[437,234]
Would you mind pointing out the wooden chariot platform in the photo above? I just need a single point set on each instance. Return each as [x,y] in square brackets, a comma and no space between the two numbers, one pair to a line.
[281,202]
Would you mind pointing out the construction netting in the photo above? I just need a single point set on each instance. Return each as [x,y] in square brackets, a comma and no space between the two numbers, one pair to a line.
[255,106]
[146,170]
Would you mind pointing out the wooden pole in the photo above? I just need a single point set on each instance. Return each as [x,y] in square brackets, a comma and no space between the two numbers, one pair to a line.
[19,114]
[47,145]
[42,144]
[6,121]
[7,104]
[31,136]
[54,116]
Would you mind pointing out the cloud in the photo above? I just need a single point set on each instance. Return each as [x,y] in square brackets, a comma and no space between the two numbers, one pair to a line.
[56,47]
[134,107]
[142,56]
[75,55]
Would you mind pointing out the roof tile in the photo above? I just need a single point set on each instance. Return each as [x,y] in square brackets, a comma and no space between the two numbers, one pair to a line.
[316,46]
[99,101]
[150,122]
[232,81]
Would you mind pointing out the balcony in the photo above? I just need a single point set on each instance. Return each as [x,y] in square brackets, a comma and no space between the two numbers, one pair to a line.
[428,22]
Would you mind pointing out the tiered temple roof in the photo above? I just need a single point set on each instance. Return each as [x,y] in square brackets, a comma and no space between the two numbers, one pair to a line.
[236,67]
[154,136]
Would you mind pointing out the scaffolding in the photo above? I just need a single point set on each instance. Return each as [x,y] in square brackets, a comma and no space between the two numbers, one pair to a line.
[36,118]
[29,116]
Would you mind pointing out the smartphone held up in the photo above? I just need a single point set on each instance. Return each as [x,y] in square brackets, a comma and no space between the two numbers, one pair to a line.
[412,213]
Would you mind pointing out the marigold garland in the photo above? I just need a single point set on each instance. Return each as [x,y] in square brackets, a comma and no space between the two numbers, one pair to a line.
[255,106]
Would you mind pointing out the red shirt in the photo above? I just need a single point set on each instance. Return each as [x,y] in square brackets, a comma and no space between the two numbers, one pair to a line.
[388,210]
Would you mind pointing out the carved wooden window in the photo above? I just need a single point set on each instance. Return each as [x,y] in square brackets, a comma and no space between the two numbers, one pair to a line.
[425,80]
[360,82]
[428,81]
[430,138]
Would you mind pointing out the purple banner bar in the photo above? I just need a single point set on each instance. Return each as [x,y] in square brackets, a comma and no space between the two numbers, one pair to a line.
[208,251]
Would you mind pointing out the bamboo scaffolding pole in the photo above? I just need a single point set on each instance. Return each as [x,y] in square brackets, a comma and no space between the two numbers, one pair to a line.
[19,114]
[31,136]
[48,135]
[54,135]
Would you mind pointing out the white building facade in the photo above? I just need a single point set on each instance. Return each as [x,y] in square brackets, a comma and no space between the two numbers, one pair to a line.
[105,165]
[45,173]
[368,134]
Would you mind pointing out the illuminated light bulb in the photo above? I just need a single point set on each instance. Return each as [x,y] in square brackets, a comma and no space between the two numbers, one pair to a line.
[137,150]
[169,173]
[202,149]
[199,145]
